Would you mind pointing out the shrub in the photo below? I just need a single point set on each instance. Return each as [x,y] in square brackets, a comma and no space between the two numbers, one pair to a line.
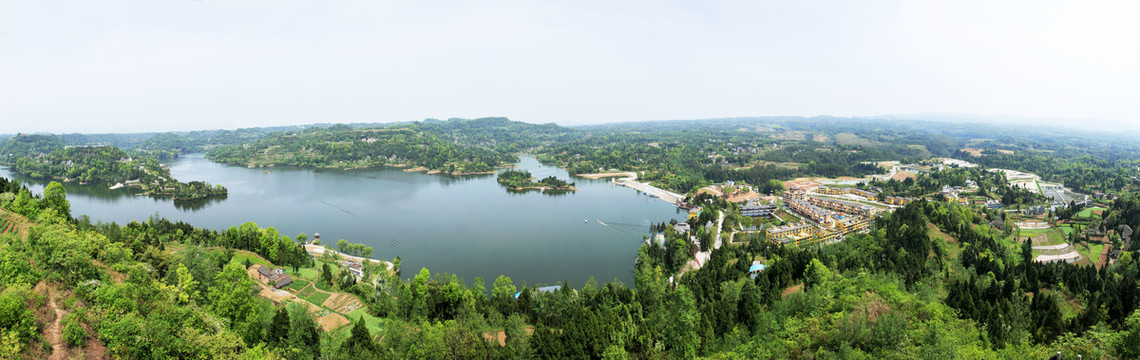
[73,332]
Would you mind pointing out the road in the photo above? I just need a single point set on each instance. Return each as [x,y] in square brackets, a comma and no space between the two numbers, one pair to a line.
[669,196]
[317,250]
[719,222]
[702,257]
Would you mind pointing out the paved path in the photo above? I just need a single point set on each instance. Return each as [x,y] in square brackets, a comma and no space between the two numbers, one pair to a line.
[1051,247]
[702,257]
[669,196]
[719,222]
[320,249]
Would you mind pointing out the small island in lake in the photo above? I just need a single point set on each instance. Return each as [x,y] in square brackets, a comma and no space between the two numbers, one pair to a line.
[522,180]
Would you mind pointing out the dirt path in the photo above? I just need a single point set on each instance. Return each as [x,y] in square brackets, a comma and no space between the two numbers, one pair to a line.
[54,332]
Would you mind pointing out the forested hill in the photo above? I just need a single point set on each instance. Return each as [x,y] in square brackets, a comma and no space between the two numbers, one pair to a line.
[111,165]
[500,134]
[173,144]
[166,145]
[25,145]
[455,146]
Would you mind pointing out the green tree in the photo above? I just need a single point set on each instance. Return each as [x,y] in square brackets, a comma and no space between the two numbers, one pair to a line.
[232,297]
[359,343]
[304,334]
[515,331]
[816,274]
[278,330]
[55,197]
[16,319]
[681,334]
[186,290]
[269,242]
[1128,342]
[503,292]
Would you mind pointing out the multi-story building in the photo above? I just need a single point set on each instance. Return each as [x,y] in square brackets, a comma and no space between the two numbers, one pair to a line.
[754,209]
[788,232]
[853,224]
[825,234]
[849,207]
[895,200]
[843,191]
[808,210]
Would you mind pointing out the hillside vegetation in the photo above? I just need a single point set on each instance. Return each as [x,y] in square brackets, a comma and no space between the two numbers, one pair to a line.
[343,147]
[107,164]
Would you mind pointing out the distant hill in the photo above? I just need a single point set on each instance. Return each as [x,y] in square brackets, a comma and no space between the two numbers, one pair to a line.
[457,146]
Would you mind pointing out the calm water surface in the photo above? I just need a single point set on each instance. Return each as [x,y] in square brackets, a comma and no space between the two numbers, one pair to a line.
[469,226]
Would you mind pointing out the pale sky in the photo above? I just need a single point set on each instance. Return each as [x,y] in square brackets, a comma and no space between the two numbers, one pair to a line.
[126,66]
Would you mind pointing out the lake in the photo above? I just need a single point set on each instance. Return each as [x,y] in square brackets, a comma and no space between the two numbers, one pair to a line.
[464,225]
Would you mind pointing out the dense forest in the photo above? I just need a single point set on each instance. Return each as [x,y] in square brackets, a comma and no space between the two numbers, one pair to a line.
[344,147]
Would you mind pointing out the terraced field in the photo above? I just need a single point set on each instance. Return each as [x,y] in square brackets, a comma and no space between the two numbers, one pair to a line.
[12,223]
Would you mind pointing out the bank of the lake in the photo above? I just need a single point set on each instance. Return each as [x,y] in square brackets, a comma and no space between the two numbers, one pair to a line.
[465,225]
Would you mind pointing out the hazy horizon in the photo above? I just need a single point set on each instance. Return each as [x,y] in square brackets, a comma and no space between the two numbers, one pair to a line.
[123,67]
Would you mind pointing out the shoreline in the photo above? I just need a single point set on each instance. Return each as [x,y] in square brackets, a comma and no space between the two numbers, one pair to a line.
[402,167]
[321,250]
[595,176]
[543,188]
[668,196]
[629,179]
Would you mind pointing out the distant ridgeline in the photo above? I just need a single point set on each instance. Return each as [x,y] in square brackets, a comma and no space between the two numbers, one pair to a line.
[109,164]
[677,155]
[521,180]
[455,146]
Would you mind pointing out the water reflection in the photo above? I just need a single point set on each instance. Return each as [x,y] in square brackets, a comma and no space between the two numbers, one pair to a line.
[547,192]
[199,204]
[448,180]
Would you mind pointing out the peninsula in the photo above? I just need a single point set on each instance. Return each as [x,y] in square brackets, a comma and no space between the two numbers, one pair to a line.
[111,165]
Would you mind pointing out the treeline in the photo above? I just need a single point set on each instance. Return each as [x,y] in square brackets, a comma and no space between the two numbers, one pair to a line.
[27,145]
[499,134]
[89,163]
[342,147]
[1084,174]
